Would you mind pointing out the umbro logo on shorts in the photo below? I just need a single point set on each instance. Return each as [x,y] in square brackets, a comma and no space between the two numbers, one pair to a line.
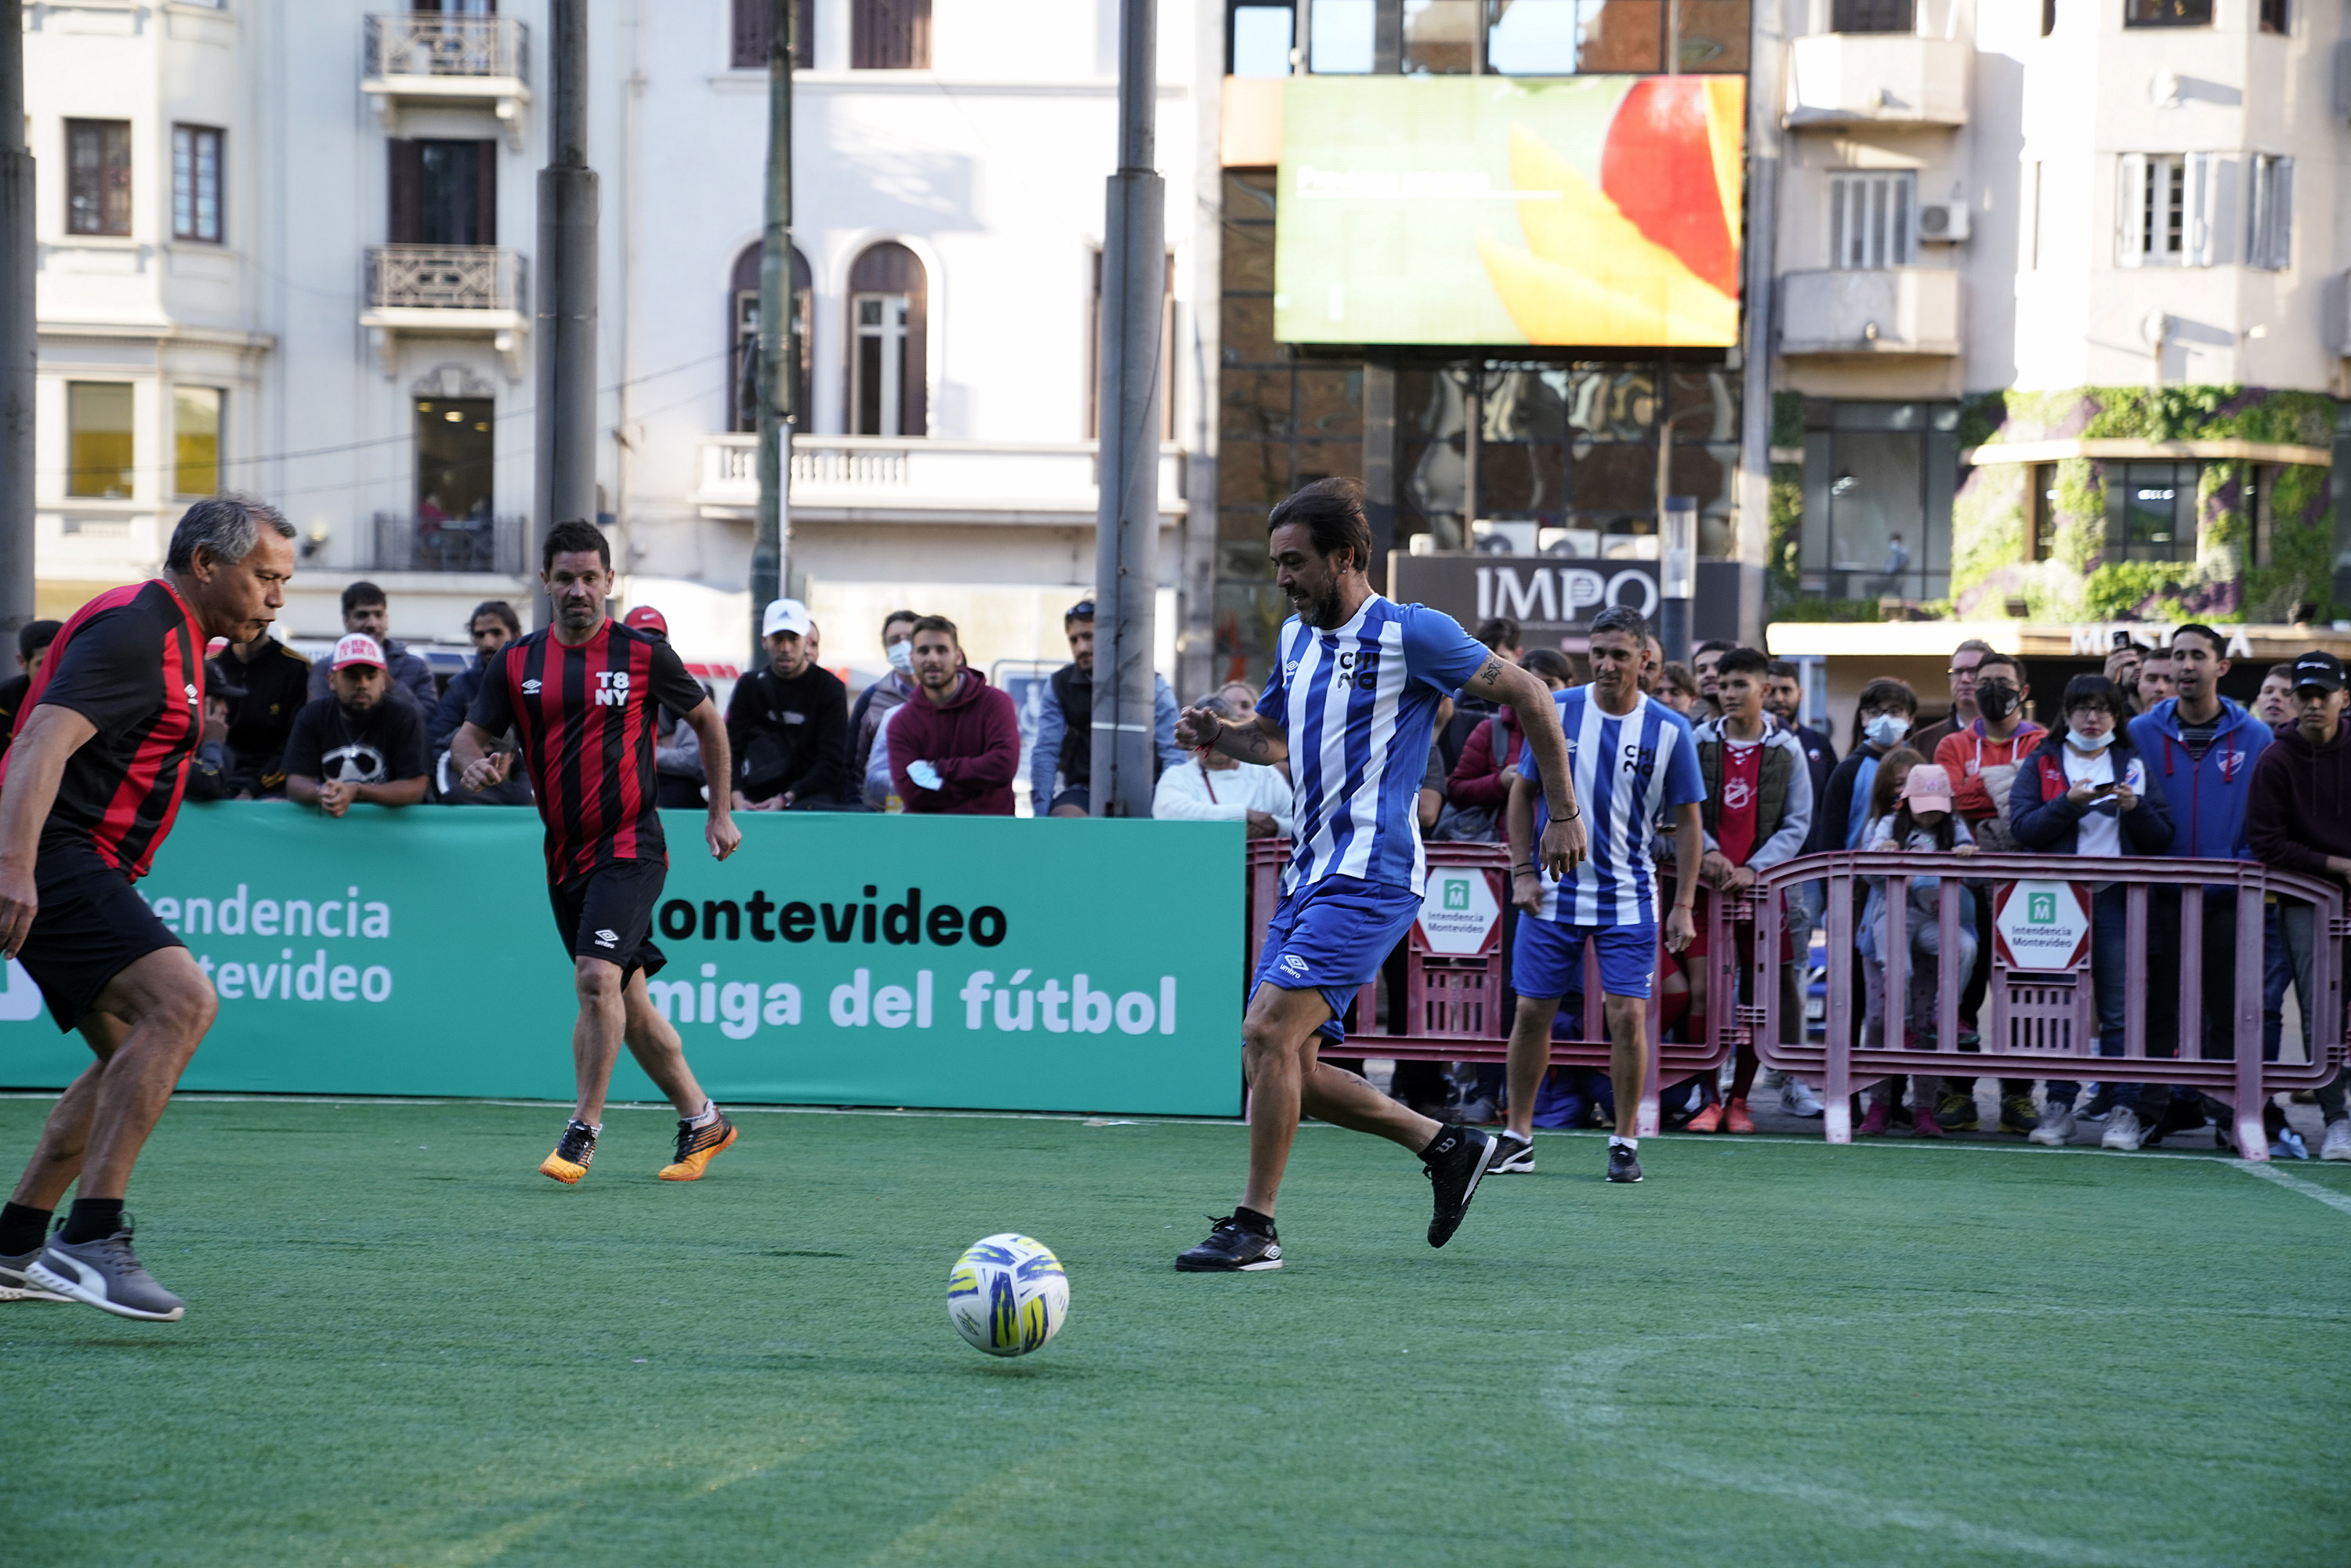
[606,938]
[1295,965]
[530,688]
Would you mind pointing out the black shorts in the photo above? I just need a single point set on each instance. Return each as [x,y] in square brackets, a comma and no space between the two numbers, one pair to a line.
[91,925]
[608,914]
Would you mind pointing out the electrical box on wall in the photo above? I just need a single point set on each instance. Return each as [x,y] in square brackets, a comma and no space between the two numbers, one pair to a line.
[1942,222]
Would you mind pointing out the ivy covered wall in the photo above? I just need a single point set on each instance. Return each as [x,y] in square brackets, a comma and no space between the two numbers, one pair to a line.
[1992,512]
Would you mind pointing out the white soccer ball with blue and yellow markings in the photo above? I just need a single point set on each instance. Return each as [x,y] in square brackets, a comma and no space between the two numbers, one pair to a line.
[1008,1294]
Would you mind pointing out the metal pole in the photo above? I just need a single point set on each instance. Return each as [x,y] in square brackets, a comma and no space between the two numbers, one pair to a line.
[565,314]
[779,331]
[19,333]
[1126,516]
[1758,336]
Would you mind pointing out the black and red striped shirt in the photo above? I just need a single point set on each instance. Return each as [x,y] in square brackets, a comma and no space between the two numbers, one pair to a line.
[584,718]
[131,662]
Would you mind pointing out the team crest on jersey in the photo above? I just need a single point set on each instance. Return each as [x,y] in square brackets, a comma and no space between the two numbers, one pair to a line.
[530,688]
[1737,793]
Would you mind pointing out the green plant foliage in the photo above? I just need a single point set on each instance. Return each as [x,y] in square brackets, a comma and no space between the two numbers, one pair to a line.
[1787,532]
[1787,419]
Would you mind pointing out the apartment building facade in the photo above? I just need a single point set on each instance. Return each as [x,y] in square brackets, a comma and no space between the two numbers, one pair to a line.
[289,248]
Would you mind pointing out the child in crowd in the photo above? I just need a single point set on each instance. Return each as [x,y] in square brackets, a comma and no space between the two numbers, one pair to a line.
[1911,810]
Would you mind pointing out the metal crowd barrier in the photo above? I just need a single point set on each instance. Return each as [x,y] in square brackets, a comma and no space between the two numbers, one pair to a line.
[2041,1019]
[1456,1006]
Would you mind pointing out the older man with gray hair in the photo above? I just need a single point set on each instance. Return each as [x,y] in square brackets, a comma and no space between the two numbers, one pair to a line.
[87,794]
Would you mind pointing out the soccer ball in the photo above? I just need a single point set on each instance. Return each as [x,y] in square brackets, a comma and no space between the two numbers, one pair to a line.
[1008,1294]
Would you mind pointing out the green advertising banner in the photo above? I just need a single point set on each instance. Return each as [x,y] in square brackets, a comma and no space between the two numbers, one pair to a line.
[837,960]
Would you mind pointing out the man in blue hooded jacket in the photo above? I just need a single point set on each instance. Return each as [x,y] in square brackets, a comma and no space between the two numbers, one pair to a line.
[2200,749]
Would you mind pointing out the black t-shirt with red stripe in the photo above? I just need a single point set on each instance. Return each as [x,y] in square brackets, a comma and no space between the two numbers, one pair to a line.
[131,662]
[584,716]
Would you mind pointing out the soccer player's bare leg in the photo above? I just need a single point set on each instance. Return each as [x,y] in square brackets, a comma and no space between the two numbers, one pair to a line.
[156,1011]
[609,1013]
[1529,1055]
[1279,1045]
[1628,1057]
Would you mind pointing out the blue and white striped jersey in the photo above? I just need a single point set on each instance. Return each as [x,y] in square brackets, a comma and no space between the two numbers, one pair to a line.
[1359,704]
[1627,772]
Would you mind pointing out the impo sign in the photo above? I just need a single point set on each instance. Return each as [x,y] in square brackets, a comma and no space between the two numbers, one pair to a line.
[1542,594]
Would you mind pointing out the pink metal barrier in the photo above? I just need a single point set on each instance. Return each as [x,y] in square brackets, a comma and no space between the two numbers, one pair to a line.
[2041,1014]
[1453,1007]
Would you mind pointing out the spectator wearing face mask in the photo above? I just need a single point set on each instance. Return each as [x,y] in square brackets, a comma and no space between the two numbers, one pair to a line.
[874,703]
[1913,800]
[2086,792]
[1215,787]
[1886,710]
[1981,758]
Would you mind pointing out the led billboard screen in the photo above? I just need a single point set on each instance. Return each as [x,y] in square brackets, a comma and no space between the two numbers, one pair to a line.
[1588,211]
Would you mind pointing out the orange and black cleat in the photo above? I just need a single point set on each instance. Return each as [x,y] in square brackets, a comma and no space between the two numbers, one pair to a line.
[696,1146]
[569,1161]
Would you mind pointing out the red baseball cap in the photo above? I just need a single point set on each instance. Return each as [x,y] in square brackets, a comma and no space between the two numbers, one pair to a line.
[358,648]
[645,618]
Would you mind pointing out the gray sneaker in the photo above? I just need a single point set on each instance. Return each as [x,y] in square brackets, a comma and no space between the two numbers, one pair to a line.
[2121,1133]
[14,1287]
[2335,1145]
[105,1274]
[2056,1128]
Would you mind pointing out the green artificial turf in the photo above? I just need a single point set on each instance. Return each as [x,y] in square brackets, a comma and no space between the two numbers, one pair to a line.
[405,1347]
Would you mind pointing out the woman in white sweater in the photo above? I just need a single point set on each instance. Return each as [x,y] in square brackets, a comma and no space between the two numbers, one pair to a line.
[1219,788]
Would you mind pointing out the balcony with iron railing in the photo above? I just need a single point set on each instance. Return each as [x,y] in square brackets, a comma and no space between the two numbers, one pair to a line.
[447,290]
[890,478]
[426,57]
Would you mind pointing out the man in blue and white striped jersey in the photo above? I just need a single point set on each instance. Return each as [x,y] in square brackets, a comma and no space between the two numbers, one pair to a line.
[1351,703]
[1633,761]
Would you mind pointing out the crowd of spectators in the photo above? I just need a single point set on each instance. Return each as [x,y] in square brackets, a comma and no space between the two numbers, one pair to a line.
[2144,759]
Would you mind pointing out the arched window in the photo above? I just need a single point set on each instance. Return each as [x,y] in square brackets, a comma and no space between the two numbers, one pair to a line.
[743,339]
[887,310]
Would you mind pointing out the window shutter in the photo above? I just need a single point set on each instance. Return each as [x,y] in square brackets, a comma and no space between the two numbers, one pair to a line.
[485,195]
[405,223]
[2281,225]
[2130,211]
[2200,203]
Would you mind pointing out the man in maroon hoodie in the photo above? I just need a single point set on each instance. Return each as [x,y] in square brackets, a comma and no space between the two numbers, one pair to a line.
[955,745]
[2298,818]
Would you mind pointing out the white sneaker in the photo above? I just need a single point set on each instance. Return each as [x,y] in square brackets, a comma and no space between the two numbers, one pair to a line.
[1797,1099]
[2337,1144]
[2056,1129]
[2122,1131]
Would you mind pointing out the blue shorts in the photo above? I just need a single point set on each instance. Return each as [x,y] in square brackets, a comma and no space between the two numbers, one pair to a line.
[1547,959]
[1332,936]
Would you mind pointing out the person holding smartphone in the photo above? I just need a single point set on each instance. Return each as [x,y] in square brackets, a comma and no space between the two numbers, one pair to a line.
[2083,791]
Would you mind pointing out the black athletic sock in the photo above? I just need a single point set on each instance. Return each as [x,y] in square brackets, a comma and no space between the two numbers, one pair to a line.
[1250,1221]
[1447,1139]
[21,1228]
[92,1219]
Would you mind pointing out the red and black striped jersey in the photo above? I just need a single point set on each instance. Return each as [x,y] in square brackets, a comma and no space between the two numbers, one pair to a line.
[584,718]
[131,660]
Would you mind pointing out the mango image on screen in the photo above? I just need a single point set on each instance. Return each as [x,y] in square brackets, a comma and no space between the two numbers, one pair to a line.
[1648,255]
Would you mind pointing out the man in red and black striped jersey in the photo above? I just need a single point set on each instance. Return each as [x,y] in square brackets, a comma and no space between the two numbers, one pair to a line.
[87,791]
[581,697]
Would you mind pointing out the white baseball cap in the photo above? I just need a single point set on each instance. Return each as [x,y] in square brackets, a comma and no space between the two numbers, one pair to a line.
[785,615]
[358,648]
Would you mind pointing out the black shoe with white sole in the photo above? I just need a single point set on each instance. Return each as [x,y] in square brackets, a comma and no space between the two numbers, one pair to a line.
[105,1274]
[1513,1156]
[1623,1164]
[1232,1249]
[1455,1164]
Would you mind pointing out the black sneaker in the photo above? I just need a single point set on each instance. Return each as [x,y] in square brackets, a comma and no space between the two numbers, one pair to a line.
[572,1154]
[1232,1249]
[1455,1165]
[1623,1164]
[1513,1156]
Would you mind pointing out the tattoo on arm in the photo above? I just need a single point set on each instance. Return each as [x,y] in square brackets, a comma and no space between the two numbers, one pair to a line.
[1491,672]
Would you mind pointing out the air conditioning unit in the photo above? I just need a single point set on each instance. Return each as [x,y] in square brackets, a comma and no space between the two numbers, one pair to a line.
[1943,223]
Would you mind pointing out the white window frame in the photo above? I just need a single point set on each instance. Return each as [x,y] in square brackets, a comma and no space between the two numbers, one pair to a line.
[2153,185]
[889,328]
[1873,219]
[2269,211]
